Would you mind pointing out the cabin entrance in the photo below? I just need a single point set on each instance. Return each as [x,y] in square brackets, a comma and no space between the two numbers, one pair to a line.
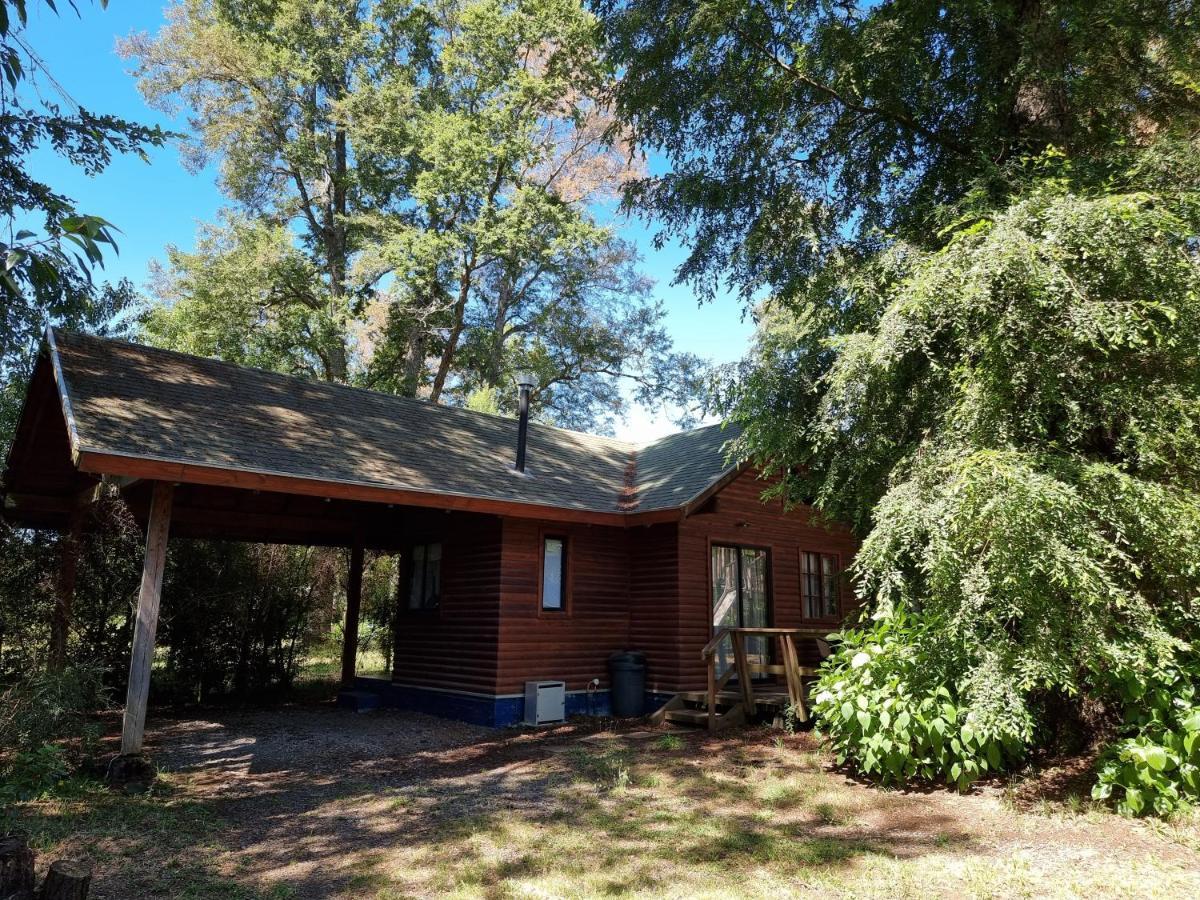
[741,598]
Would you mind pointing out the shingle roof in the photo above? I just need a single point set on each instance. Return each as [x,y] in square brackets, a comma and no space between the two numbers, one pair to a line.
[149,403]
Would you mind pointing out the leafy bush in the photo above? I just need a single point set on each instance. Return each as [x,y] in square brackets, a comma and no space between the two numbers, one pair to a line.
[45,707]
[30,774]
[1156,769]
[47,730]
[886,707]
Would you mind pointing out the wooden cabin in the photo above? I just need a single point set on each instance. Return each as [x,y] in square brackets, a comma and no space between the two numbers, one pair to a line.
[510,576]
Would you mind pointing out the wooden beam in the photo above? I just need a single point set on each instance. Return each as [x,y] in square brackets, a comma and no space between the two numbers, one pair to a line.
[146,625]
[98,463]
[353,601]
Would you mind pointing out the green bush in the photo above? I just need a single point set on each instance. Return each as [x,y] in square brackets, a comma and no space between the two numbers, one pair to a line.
[1156,768]
[47,730]
[30,774]
[887,707]
[45,707]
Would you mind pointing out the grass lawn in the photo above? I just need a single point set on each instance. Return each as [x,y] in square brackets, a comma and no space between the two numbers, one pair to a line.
[313,802]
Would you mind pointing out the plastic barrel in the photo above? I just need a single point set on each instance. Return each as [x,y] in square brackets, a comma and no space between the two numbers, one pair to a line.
[627,674]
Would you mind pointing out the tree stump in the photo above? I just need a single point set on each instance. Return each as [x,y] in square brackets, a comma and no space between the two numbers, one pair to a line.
[16,868]
[68,879]
[130,773]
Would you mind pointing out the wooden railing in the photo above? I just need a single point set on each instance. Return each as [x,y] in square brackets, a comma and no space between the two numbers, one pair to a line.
[745,669]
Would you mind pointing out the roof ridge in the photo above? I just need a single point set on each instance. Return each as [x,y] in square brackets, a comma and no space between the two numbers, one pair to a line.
[296,379]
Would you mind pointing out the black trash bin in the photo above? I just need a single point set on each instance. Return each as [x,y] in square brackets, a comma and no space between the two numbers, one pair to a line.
[627,673]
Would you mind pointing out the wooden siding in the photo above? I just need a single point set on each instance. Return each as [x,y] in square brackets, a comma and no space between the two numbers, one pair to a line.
[574,644]
[739,517]
[654,602]
[644,588]
[453,647]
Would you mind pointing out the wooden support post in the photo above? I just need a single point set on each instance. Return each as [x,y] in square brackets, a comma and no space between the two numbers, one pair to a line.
[64,590]
[712,692]
[353,601]
[743,672]
[146,624]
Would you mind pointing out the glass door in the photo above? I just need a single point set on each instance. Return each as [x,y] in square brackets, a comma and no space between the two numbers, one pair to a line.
[740,599]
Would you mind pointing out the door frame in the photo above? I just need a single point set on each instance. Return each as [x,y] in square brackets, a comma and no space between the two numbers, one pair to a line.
[767,548]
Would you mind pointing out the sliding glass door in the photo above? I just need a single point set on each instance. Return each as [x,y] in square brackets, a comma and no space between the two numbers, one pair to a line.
[741,599]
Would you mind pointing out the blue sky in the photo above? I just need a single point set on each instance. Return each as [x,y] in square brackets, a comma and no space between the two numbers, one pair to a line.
[162,203]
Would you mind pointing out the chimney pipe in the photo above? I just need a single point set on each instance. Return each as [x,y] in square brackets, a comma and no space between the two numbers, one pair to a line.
[526,382]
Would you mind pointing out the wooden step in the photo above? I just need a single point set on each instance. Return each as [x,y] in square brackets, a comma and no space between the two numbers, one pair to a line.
[690,716]
[724,698]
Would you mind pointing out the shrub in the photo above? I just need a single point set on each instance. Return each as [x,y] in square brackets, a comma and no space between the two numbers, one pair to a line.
[30,774]
[887,707]
[47,730]
[1156,768]
[44,707]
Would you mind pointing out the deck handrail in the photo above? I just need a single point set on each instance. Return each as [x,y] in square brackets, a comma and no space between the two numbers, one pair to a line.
[792,670]
[711,647]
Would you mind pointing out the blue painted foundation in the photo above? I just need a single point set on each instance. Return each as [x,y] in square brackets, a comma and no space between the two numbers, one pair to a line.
[479,709]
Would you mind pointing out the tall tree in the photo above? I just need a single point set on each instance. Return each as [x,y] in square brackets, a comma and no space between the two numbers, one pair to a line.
[263,84]
[403,173]
[48,247]
[801,131]
[975,224]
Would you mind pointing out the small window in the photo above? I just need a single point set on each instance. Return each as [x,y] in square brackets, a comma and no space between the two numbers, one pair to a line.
[554,572]
[819,585]
[425,584]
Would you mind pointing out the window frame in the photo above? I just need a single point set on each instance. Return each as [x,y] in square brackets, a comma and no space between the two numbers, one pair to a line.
[564,609]
[410,571]
[836,578]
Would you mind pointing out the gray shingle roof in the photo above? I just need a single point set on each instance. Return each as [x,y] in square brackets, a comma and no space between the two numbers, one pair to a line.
[156,404]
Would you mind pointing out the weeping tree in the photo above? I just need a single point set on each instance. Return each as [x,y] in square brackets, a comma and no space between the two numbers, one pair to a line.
[975,225]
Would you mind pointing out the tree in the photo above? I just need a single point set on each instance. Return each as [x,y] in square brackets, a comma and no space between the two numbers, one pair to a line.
[801,132]
[976,226]
[48,247]
[416,187]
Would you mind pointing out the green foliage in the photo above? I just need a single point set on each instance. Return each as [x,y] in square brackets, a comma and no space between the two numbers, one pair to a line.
[47,729]
[1014,422]
[1155,769]
[800,135]
[891,710]
[49,248]
[417,188]
[669,742]
[32,774]
[235,617]
[110,566]
[484,399]
[42,707]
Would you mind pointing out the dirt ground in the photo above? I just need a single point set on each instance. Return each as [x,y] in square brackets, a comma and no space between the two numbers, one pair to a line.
[317,802]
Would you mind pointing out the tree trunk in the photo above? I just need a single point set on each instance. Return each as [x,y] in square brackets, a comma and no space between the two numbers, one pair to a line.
[499,327]
[64,594]
[68,879]
[353,603]
[16,868]
[414,362]
[456,330]
[336,245]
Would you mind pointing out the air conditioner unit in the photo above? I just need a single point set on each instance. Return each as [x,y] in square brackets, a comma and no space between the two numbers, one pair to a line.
[545,701]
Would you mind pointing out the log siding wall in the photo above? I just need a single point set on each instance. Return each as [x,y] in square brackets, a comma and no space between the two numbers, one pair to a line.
[571,644]
[453,647]
[644,588]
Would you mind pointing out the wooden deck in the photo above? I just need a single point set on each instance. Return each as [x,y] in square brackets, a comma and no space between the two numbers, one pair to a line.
[721,705]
